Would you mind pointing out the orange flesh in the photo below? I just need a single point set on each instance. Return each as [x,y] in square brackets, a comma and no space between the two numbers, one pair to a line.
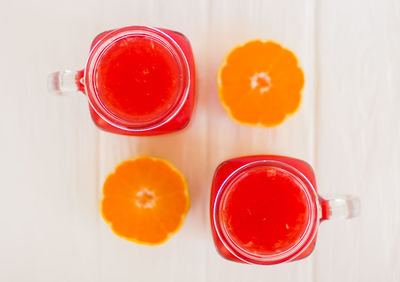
[260,83]
[145,200]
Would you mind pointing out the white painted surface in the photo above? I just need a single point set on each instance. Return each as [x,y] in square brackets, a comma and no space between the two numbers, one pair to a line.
[54,160]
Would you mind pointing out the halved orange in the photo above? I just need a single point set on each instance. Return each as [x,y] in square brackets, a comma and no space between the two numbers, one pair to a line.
[260,83]
[145,200]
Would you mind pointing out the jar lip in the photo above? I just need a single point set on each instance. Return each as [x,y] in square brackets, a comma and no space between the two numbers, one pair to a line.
[295,250]
[101,47]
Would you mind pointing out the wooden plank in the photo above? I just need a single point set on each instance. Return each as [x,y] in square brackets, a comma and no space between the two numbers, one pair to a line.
[230,23]
[183,257]
[49,151]
[358,136]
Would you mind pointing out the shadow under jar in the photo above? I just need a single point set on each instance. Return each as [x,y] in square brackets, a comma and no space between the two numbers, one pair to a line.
[138,80]
[266,209]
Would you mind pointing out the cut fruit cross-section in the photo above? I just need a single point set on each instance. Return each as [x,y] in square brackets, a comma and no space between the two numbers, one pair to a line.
[260,83]
[145,200]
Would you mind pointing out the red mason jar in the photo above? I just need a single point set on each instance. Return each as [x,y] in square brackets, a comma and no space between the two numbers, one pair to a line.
[138,80]
[266,209]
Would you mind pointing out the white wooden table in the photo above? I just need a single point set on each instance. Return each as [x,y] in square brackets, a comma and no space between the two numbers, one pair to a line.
[54,160]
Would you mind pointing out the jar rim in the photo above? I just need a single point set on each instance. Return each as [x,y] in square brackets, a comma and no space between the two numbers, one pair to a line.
[109,40]
[294,251]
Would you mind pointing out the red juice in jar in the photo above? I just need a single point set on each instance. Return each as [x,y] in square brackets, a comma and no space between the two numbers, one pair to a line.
[139,81]
[264,209]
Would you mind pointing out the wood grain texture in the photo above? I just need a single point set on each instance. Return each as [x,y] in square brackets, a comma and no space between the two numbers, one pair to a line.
[54,160]
[358,136]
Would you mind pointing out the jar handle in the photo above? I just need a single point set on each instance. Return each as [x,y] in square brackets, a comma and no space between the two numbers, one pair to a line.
[65,82]
[340,207]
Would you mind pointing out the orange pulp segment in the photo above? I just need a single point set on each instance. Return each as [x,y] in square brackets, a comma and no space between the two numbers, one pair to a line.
[260,83]
[145,200]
